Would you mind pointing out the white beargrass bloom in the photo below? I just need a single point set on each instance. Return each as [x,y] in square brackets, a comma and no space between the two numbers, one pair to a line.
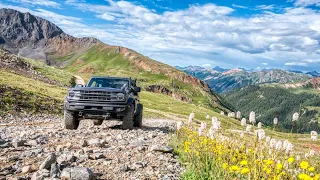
[211,132]
[312,152]
[314,135]
[268,139]
[214,120]
[275,121]
[295,116]
[221,112]
[241,135]
[203,125]
[238,114]
[298,158]
[179,125]
[216,125]
[200,131]
[191,116]
[248,128]
[233,115]
[260,134]
[259,125]
[243,122]
[279,145]
[272,143]
[207,117]
[252,117]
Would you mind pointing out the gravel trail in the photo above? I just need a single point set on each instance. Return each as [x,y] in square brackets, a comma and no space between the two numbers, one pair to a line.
[39,148]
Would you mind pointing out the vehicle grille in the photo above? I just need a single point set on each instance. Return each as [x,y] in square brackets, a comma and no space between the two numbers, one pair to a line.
[97,96]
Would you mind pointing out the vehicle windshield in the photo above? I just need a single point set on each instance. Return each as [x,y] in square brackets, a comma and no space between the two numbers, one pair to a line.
[108,83]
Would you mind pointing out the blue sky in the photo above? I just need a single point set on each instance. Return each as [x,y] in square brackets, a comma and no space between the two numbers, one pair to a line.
[228,33]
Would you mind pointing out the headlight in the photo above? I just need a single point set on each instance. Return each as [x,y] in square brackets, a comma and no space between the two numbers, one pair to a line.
[71,94]
[120,96]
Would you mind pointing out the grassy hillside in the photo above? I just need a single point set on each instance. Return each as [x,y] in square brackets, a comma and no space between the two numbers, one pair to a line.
[113,61]
[270,102]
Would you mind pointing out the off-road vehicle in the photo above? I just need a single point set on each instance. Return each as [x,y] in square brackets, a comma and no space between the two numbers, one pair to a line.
[104,98]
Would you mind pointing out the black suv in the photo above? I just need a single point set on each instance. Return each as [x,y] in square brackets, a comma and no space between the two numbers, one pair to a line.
[104,98]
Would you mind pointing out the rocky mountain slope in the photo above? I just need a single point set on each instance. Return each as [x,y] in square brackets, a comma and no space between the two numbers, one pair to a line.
[37,38]
[236,78]
[313,83]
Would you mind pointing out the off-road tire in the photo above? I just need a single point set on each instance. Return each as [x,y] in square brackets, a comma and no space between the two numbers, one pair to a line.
[70,120]
[97,122]
[137,122]
[127,121]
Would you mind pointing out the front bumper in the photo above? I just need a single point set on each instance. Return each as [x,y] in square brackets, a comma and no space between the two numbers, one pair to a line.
[95,108]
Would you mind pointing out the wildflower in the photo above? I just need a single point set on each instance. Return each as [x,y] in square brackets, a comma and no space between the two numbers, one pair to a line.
[268,139]
[260,134]
[224,165]
[248,128]
[314,135]
[279,145]
[304,177]
[203,125]
[221,113]
[216,125]
[238,114]
[272,143]
[259,125]
[207,117]
[200,131]
[312,152]
[298,157]
[311,169]
[291,159]
[288,147]
[214,120]
[244,163]
[191,116]
[295,116]
[243,122]
[234,169]
[179,125]
[252,117]
[275,121]
[279,167]
[304,164]
[244,171]
[241,135]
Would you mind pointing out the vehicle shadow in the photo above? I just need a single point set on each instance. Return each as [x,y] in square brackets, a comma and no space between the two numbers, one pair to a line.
[166,130]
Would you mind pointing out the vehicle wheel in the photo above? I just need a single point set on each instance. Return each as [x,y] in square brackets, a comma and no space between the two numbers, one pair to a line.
[70,120]
[138,117]
[97,122]
[127,121]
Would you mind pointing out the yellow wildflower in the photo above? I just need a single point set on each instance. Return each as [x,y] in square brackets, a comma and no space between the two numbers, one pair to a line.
[279,166]
[234,169]
[244,163]
[311,169]
[291,160]
[304,164]
[244,171]
[304,177]
[224,165]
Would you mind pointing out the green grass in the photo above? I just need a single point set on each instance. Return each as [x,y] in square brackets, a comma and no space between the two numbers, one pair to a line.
[31,85]
[53,73]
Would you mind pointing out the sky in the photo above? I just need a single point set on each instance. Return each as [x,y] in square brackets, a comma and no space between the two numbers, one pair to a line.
[252,34]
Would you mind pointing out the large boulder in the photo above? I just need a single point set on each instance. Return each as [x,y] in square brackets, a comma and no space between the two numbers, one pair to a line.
[77,173]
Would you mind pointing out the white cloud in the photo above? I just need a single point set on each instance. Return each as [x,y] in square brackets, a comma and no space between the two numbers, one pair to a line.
[295,64]
[239,6]
[265,64]
[46,3]
[206,65]
[307,2]
[265,7]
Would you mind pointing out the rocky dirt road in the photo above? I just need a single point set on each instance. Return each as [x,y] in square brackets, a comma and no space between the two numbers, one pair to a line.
[39,148]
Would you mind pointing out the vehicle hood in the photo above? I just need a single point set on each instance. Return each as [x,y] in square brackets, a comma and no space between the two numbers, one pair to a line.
[96,89]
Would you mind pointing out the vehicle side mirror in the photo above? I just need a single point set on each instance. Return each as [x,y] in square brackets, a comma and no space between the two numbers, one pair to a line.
[137,89]
[80,85]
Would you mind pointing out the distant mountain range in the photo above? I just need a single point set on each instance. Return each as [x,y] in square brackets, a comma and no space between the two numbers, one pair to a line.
[225,80]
